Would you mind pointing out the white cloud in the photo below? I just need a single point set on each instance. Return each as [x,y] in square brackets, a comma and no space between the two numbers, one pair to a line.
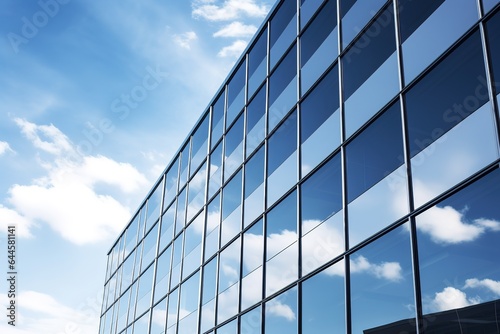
[277,308]
[229,10]
[43,314]
[446,225]
[233,50]
[74,198]
[451,298]
[184,40]
[493,286]
[391,271]
[10,217]
[236,29]
[5,147]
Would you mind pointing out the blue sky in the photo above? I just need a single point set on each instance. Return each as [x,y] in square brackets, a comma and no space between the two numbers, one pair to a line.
[96,97]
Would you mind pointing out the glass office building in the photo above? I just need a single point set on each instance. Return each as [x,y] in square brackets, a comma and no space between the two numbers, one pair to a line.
[344,179]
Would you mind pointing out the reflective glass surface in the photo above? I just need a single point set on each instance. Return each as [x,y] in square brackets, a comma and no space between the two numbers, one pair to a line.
[251,322]
[229,276]
[170,184]
[283,30]
[253,251]
[167,227]
[192,245]
[493,33]
[231,209]
[281,313]
[307,10]
[319,44]
[217,119]
[162,274]
[233,156]
[459,266]
[429,27]
[212,227]
[215,176]
[489,4]
[236,94]
[153,207]
[184,166]
[208,297]
[320,122]
[257,63]
[282,89]
[282,159]
[196,194]
[254,187]
[199,143]
[355,15]
[382,283]
[256,121]
[159,318]
[181,211]
[370,71]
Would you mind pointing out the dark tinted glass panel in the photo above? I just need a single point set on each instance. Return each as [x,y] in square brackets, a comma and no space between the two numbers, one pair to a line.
[283,29]
[382,284]
[234,148]
[376,152]
[257,63]
[307,9]
[369,52]
[283,88]
[199,145]
[444,97]
[489,4]
[319,45]
[413,13]
[236,94]
[355,15]
[256,112]
[282,143]
[217,119]
[459,263]
[493,30]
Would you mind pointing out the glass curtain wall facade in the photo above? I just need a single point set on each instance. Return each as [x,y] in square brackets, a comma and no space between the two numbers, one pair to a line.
[344,179]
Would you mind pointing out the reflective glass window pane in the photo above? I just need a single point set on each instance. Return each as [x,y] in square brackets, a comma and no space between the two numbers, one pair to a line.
[171,184]
[307,10]
[370,72]
[493,33]
[217,119]
[199,143]
[153,208]
[123,311]
[429,27]
[128,272]
[251,322]
[459,263]
[133,299]
[257,63]
[181,211]
[159,318]
[322,221]
[229,275]
[443,153]
[138,257]
[319,45]
[233,156]
[236,93]
[212,228]
[229,328]
[320,122]
[149,251]
[376,177]
[282,159]
[192,245]
[176,262]
[253,251]
[131,237]
[283,29]
[231,209]
[489,5]
[172,311]
[184,166]
[196,195]
[144,291]
[162,274]
[256,121]
[355,15]
[189,298]
[281,244]
[323,301]
[382,284]
[215,177]
[281,313]
[208,297]
[254,187]
[167,227]
[141,325]
[283,88]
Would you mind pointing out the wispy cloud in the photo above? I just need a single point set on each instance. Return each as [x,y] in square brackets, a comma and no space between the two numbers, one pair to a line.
[75,196]
[489,284]
[391,271]
[184,40]
[233,50]
[228,10]
[277,308]
[236,29]
[5,147]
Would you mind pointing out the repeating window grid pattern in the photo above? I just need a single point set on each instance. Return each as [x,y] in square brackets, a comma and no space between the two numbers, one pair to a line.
[116,257]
